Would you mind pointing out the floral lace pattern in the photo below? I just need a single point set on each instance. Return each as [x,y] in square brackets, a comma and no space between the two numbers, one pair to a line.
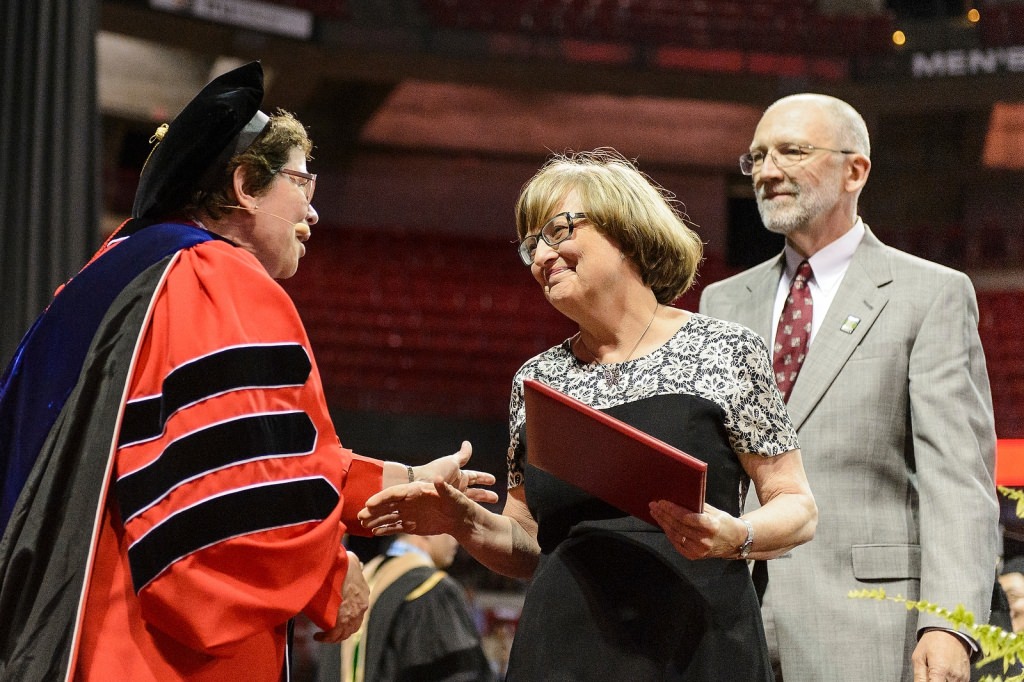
[720,361]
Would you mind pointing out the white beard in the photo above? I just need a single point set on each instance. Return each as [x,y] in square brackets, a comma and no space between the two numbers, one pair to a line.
[806,206]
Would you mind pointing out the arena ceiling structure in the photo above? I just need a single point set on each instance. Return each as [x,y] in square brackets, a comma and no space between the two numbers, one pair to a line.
[689,77]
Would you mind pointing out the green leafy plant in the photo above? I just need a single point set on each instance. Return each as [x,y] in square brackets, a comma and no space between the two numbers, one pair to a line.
[996,644]
[1014,494]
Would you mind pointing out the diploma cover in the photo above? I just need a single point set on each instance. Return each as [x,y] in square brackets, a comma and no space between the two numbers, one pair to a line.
[607,457]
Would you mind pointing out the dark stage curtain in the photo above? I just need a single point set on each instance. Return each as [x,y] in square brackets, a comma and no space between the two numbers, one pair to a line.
[49,155]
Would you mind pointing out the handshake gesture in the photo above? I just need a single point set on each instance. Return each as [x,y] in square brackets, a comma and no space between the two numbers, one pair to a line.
[440,473]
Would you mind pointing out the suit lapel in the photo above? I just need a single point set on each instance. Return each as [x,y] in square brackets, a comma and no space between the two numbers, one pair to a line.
[755,312]
[859,300]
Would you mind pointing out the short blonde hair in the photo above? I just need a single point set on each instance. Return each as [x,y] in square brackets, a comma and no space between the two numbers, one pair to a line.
[625,205]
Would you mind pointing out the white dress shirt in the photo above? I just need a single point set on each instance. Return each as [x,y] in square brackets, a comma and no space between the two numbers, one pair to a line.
[828,267]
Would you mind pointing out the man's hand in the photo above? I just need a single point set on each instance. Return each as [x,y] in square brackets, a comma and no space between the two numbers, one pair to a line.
[355,599]
[941,657]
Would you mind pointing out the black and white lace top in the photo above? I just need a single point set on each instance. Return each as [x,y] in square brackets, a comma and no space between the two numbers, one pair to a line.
[708,359]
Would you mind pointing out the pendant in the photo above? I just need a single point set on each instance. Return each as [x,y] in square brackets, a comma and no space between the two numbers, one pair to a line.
[611,375]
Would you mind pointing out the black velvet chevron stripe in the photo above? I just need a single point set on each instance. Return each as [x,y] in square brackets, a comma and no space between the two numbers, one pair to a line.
[218,446]
[226,370]
[240,512]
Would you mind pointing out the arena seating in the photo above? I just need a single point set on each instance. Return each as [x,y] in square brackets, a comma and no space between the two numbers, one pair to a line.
[419,323]
[1002,333]
[325,9]
[777,26]
[1002,23]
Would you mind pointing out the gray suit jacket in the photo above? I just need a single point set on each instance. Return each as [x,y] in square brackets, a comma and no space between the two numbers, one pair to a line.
[896,429]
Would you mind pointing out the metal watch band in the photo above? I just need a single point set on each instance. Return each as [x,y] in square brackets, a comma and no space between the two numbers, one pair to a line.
[745,548]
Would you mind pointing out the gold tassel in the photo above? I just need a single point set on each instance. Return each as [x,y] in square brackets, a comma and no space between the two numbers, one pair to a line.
[155,140]
[158,136]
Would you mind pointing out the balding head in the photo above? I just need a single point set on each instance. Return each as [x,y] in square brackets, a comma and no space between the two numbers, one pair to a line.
[809,159]
[848,127]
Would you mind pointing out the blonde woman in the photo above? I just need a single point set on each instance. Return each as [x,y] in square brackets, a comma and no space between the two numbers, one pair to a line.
[613,597]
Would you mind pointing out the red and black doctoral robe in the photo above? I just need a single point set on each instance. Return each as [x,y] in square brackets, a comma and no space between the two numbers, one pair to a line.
[176,490]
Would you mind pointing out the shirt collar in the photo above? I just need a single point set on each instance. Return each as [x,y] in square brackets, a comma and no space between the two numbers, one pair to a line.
[830,263]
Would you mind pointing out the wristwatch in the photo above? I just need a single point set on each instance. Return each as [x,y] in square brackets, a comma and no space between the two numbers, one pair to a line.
[744,549]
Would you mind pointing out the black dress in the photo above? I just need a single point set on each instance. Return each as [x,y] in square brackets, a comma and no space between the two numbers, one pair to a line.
[611,598]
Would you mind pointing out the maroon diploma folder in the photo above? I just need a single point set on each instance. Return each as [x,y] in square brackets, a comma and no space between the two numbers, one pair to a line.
[606,457]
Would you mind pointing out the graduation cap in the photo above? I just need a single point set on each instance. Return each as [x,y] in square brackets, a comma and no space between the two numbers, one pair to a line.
[221,121]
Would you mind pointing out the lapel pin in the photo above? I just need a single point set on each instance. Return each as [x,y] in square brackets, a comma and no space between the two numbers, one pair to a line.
[850,325]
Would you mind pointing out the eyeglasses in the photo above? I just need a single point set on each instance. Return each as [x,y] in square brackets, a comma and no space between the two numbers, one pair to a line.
[784,156]
[307,181]
[554,232]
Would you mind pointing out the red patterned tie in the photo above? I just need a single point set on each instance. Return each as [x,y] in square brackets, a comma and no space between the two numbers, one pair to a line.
[794,332]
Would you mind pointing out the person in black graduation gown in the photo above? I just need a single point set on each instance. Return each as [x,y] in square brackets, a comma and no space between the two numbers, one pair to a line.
[419,625]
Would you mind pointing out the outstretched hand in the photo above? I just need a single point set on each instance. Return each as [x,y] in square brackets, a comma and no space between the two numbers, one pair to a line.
[420,508]
[449,469]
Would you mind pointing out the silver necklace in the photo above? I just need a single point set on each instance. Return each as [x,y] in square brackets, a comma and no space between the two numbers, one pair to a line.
[611,374]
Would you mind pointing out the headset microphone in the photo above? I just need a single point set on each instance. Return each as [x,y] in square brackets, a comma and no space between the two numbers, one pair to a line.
[301,227]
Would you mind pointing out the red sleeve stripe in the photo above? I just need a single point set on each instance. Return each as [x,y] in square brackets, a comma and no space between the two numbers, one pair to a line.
[210,449]
[228,369]
[230,515]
